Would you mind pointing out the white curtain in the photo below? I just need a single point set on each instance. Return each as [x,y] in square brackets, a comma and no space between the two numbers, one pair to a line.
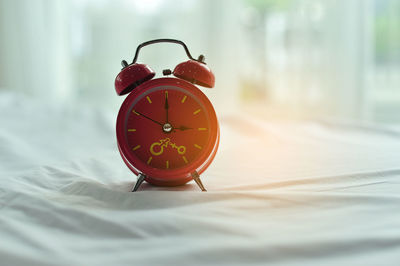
[35,52]
[302,58]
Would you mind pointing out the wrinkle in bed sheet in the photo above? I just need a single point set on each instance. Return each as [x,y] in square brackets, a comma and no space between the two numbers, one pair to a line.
[298,193]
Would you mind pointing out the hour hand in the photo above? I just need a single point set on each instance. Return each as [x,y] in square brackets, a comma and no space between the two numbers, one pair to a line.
[182,128]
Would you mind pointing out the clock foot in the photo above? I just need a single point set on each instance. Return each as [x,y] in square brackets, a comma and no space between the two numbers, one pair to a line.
[139,181]
[196,178]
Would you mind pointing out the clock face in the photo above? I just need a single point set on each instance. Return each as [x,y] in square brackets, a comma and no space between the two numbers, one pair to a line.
[168,129]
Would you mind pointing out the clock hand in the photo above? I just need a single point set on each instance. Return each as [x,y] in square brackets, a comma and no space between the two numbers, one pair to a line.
[166,105]
[182,128]
[147,117]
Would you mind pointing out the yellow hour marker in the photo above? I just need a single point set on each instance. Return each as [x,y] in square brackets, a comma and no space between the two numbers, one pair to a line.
[167,164]
[149,160]
[133,111]
[131,130]
[184,158]
[136,147]
[148,99]
[197,146]
[183,99]
[197,111]
[166,94]
[202,128]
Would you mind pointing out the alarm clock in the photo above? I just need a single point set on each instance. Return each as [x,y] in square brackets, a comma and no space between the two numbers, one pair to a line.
[167,129]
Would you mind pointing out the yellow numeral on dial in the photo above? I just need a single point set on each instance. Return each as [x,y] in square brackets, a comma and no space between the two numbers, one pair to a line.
[197,146]
[183,99]
[197,111]
[136,147]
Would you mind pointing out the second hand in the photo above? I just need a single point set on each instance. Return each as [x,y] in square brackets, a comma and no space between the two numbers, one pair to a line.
[136,112]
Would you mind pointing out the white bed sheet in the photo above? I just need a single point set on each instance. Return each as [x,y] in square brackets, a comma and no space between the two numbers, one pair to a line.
[280,193]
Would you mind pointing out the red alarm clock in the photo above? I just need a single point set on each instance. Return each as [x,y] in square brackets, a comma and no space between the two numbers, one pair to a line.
[167,129]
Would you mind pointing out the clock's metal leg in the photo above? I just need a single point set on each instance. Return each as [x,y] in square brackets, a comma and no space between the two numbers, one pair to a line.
[196,178]
[139,181]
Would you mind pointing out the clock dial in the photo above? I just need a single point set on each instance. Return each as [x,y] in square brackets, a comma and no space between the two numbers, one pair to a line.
[167,128]
[168,131]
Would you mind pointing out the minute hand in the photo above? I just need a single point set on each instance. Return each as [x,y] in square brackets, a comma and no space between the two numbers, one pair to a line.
[166,106]
[145,116]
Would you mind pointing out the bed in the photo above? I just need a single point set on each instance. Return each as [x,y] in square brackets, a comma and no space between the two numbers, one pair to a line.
[279,193]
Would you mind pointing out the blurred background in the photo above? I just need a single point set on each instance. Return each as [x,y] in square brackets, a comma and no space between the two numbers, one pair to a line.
[272,58]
